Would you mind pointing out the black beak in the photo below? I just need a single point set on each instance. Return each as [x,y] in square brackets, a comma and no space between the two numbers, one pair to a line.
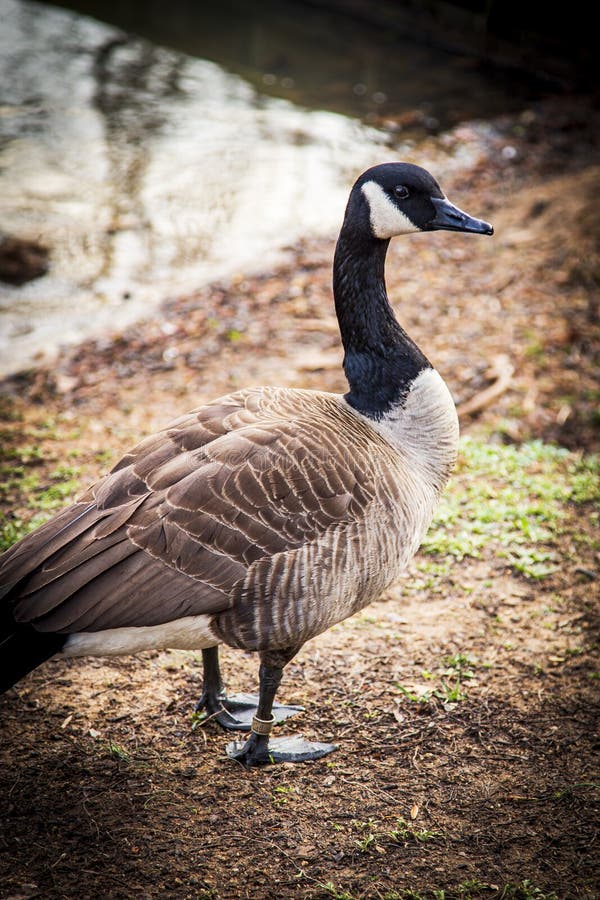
[450,218]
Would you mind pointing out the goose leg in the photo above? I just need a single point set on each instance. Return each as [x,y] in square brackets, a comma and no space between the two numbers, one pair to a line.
[234,713]
[258,750]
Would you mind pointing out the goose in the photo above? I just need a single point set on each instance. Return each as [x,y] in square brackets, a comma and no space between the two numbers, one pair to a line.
[263,518]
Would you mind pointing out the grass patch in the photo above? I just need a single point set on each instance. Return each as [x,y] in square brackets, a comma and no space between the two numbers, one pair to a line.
[406,832]
[515,499]
[26,486]
[450,690]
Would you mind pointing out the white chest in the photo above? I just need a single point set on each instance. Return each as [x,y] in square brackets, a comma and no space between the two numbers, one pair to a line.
[423,429]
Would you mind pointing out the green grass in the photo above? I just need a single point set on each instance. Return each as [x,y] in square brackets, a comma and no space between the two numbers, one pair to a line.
[118,752]
[405,832]
[514,499]
[24,485]
[456,670]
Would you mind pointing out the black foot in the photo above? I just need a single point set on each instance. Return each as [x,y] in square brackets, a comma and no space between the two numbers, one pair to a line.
[285,749]
[235,713]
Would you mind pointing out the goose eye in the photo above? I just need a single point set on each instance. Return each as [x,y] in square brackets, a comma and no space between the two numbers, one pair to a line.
[401,192]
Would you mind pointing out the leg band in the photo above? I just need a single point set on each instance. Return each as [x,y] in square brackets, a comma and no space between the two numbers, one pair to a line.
[262,726]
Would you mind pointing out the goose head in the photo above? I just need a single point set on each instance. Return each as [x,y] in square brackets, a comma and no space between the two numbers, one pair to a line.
[400,198]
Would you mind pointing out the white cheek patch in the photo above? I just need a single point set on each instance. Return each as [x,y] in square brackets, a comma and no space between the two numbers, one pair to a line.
[386,218]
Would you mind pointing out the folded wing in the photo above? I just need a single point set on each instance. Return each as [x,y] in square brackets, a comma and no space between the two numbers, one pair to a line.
[181,519]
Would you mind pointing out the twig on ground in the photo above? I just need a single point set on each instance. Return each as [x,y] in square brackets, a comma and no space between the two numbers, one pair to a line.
[502,371]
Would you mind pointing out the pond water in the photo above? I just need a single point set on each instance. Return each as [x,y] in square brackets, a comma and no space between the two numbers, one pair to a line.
[155,154]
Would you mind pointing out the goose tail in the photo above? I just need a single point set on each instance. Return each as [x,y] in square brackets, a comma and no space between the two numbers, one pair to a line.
[22,649]
[22,646]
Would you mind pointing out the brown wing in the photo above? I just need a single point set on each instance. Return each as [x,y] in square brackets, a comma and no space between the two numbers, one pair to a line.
[180,519]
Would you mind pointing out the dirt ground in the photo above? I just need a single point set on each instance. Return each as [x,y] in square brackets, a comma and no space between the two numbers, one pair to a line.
[106,789]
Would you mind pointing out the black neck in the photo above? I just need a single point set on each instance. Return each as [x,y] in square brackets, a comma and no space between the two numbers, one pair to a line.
[381,361]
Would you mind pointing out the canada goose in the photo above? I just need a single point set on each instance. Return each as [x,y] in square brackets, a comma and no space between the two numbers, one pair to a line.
[268,515]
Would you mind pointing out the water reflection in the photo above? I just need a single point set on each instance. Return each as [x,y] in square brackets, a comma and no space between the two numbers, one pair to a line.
[323,60]
[147,170]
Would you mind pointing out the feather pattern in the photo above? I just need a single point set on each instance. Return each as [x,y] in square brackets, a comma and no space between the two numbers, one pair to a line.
[249,509]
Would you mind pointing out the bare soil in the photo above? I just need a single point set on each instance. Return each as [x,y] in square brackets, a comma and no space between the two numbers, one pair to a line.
[106,791]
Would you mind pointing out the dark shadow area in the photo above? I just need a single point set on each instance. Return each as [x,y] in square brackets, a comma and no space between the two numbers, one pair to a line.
[346,58]
[138,804]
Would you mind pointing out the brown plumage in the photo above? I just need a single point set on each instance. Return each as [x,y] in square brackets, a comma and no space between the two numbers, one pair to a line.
[266,516]
[207,516]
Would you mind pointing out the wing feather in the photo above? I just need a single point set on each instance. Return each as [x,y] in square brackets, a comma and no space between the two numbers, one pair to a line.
[184,516]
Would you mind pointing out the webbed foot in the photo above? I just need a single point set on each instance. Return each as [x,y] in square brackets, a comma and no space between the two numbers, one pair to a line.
[235,713]
[259,751]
